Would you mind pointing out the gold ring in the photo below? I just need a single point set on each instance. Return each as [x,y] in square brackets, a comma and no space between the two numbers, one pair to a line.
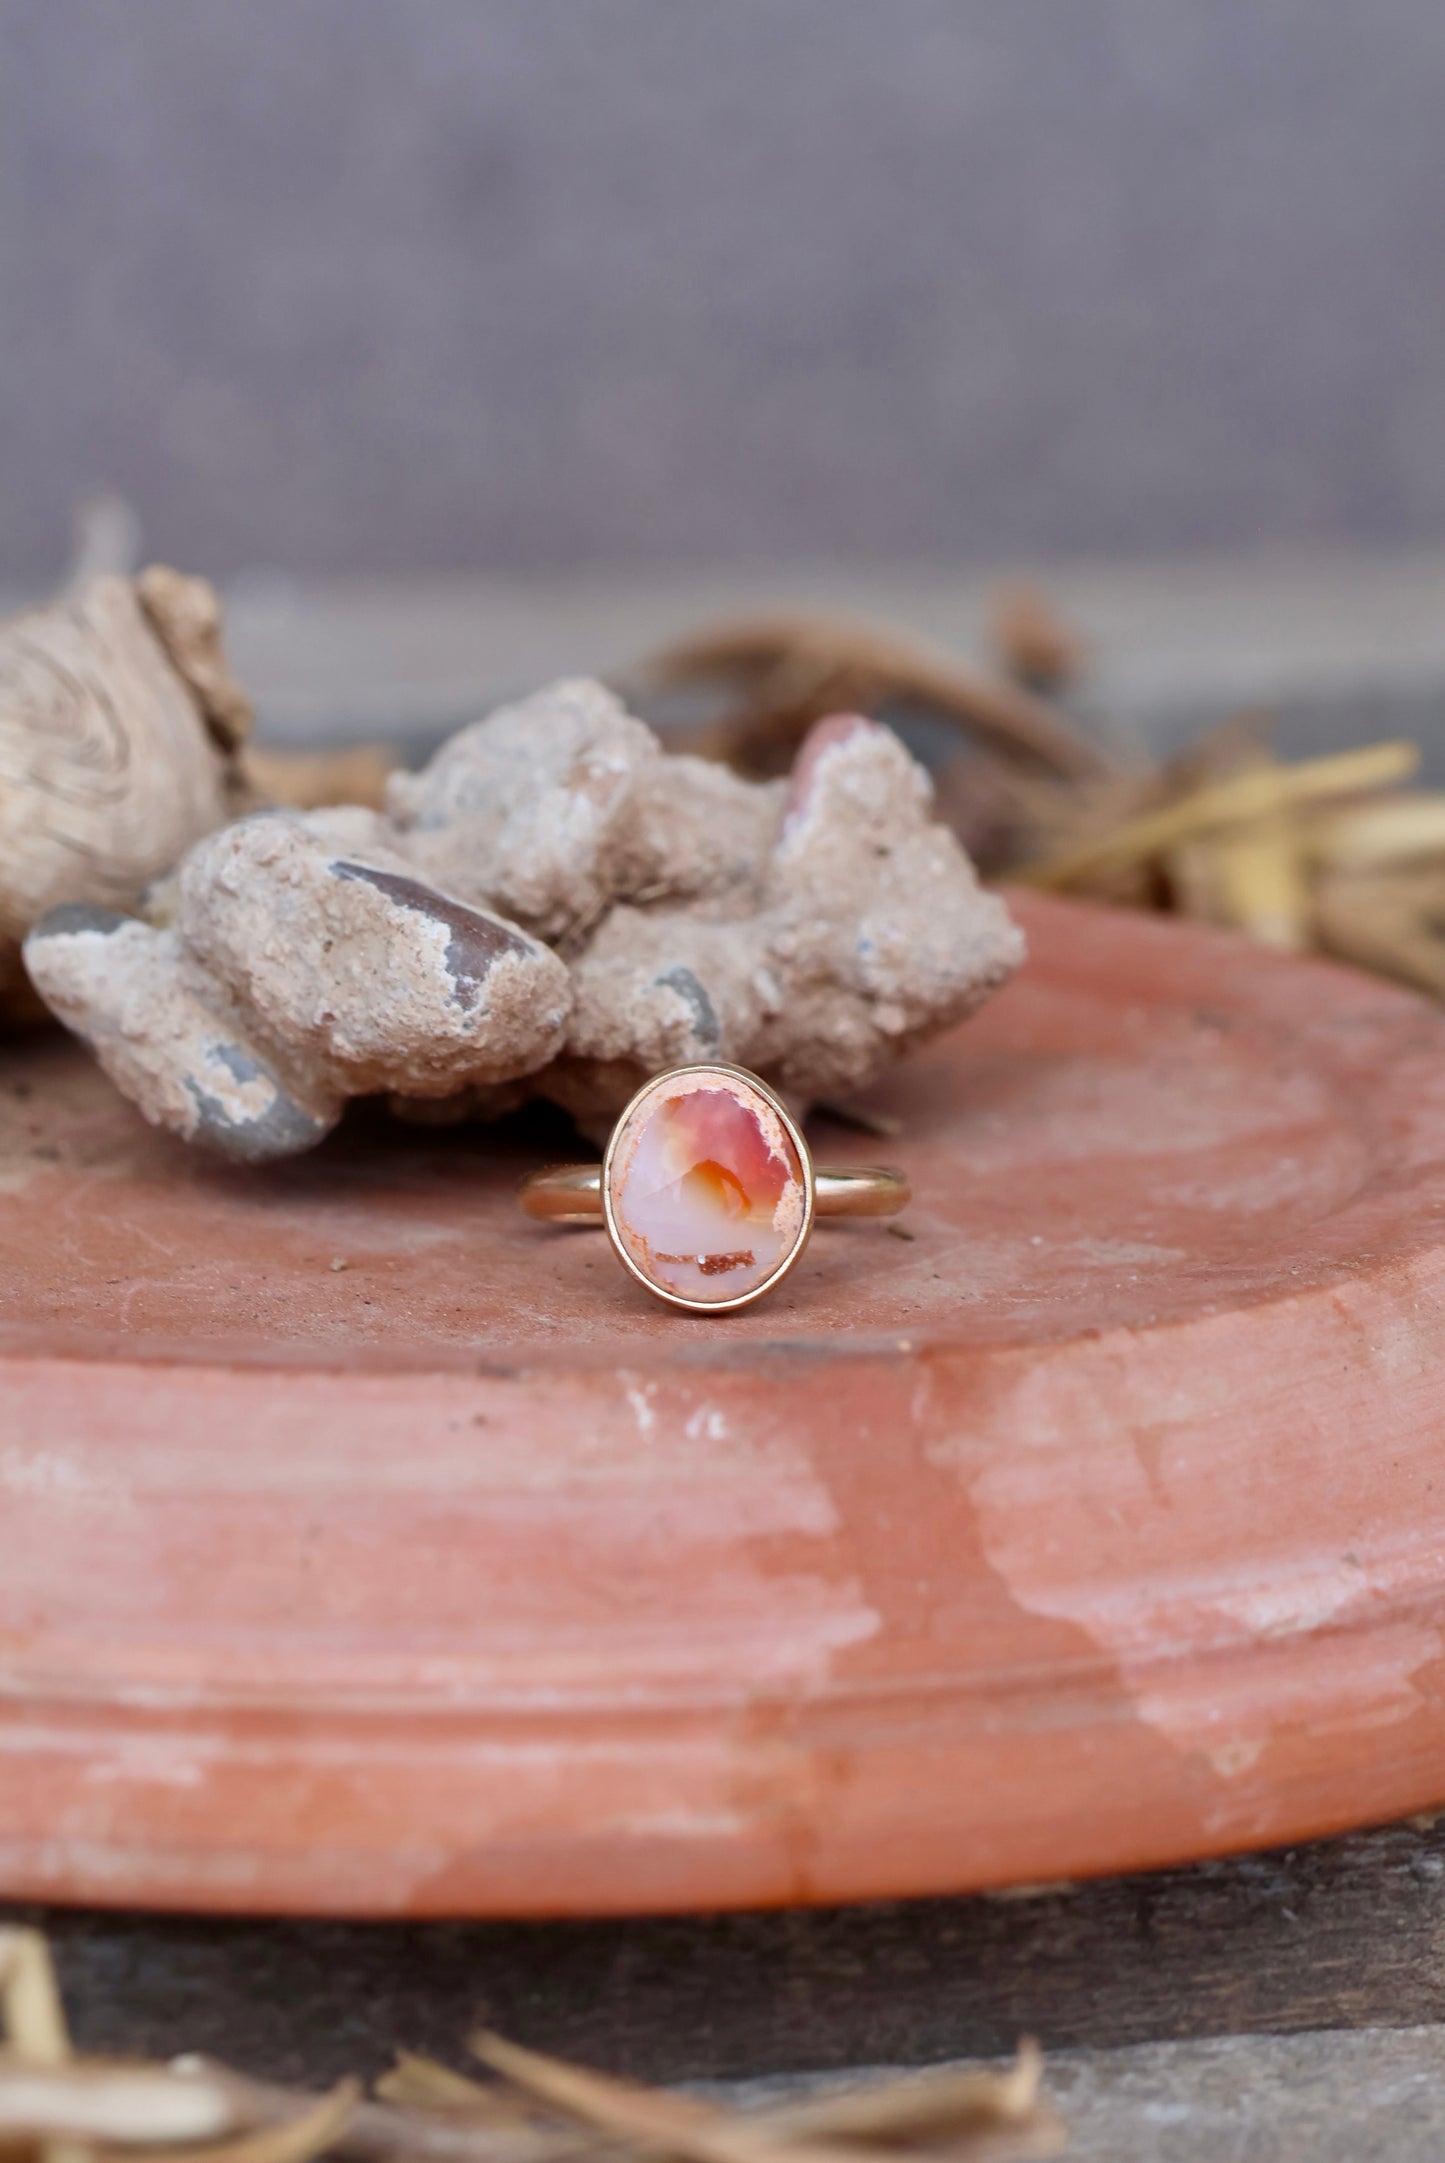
[708,1189]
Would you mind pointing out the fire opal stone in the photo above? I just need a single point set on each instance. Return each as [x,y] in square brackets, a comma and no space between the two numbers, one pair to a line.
[707,1188]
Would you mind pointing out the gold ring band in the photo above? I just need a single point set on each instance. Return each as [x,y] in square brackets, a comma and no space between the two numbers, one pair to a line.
[572,1193]
[708,1190]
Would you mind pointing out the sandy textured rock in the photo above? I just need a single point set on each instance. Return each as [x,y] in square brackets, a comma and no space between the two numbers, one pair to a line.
[371,979]
[863,929]
[552,810]
[529,809]
[293,975]
[169,1037]
[812,931]
[874,917]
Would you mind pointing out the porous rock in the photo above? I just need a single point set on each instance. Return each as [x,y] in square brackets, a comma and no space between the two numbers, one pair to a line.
[861,929]
[553,907]
[370,978]
[553,809]
[171,1039]
[295,974]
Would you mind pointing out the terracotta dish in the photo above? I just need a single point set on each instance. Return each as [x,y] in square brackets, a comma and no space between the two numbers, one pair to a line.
[1098,1523]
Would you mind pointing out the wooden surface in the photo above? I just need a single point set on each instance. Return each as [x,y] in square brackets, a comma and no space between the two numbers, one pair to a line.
[1340,1934]
[1327,2098]
[1250,2099]
[1093,1526]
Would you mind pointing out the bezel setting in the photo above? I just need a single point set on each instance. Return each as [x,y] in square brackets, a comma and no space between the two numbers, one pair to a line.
[698,1076]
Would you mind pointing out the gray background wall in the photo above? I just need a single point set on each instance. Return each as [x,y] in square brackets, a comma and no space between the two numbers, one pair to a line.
[370,285]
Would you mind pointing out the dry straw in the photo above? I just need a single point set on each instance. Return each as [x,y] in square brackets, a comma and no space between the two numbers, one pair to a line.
[59,2106]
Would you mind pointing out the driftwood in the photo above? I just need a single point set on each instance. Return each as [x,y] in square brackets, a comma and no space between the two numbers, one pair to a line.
[782,673]
[119,726]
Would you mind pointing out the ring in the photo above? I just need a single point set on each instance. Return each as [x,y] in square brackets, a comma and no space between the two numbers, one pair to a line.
[708,1189]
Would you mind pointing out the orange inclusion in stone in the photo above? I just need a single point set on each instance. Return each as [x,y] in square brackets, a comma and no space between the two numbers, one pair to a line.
[713,1183]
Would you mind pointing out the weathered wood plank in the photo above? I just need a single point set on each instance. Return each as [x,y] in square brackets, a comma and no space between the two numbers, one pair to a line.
[1327,2097]
[1331,2098]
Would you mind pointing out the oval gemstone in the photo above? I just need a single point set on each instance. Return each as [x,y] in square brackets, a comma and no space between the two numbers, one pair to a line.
[706,1186]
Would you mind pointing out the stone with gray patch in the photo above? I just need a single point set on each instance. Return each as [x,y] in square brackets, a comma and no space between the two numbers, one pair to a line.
[553,907]
[170,1038]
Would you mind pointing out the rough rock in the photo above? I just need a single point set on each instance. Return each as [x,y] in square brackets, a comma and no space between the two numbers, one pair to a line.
[552,810]
[553,907]
[861,929]
[295,975]
[170,1039]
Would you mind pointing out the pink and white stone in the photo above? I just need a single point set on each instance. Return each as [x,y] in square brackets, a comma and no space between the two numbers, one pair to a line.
[708,1194]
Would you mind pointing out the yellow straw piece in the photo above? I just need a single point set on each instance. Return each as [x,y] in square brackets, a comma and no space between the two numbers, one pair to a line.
[1374,837]
[1254,794]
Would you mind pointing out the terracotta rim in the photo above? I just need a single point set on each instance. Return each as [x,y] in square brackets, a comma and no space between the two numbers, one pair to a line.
[1098,1527]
